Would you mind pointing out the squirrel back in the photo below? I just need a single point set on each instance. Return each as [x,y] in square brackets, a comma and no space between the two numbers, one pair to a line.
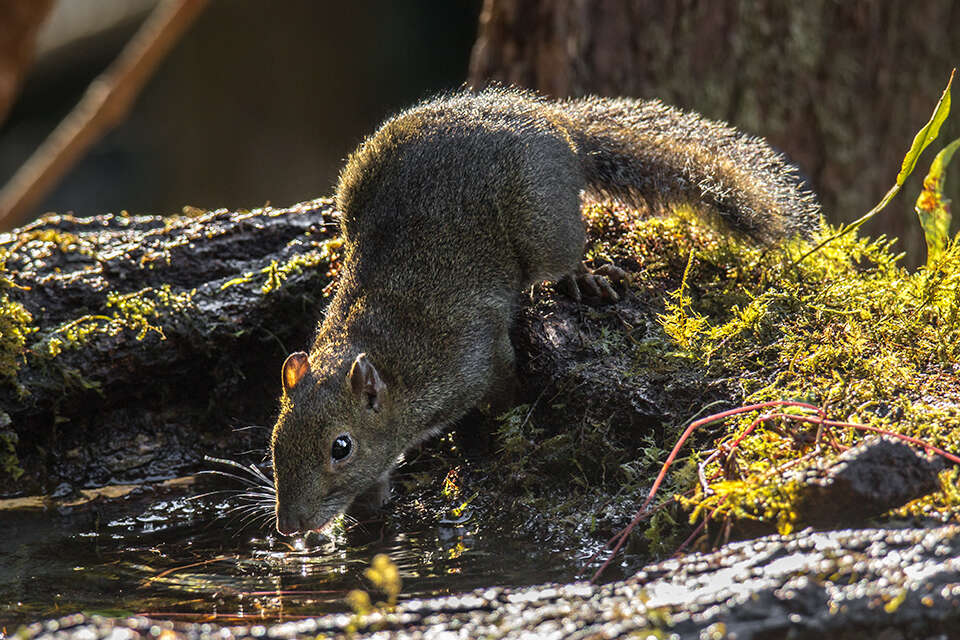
[643,148]
[640,151]
[449,210]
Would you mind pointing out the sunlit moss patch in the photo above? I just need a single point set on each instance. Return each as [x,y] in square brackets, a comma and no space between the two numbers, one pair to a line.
[136,312]
[847,329]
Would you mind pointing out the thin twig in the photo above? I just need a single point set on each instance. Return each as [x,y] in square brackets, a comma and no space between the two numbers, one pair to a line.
[105,104]
[717,417]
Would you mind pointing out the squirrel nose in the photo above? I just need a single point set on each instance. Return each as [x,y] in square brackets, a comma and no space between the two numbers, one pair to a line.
[290,521]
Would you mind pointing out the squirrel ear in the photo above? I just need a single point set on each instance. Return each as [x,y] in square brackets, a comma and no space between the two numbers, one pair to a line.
[294,368]
[365,381]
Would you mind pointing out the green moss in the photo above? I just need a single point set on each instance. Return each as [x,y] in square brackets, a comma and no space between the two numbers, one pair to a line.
[847,329]
[274,274]
[941,505]
[16,324]
[136,312]
[246,277]
[9,462]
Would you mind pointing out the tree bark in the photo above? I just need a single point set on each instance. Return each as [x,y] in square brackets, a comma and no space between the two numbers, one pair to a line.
[20,21]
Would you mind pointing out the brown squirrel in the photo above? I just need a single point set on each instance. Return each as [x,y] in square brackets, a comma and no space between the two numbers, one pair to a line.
[448,211]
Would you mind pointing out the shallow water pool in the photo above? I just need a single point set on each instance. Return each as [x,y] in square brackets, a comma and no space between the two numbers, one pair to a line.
[157,550]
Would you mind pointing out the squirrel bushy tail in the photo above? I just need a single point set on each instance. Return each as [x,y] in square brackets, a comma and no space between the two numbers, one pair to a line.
[644,148]
[641,151]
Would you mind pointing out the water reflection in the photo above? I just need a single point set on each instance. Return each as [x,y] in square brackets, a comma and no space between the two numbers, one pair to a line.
[155,551]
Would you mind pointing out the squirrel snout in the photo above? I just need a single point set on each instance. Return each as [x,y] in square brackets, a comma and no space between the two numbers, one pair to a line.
[292,520]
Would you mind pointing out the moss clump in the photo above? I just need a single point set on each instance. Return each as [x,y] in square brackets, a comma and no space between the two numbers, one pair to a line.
[847,329]
[276,273]
[16,324]
[9,462]
[136,312]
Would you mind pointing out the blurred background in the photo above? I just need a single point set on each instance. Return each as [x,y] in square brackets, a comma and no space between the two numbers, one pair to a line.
[260,102]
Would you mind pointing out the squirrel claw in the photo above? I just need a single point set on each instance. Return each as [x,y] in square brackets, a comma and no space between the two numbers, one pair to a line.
[612,273]
[593,285]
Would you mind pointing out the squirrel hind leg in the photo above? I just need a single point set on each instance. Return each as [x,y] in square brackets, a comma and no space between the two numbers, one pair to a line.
[593,286]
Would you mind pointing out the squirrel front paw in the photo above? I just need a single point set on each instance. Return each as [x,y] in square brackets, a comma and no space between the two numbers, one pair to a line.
[593,286]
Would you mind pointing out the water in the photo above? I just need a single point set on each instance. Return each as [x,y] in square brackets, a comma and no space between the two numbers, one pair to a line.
[156,550]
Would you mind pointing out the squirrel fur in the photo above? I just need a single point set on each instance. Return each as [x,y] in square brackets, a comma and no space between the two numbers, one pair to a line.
[448,211]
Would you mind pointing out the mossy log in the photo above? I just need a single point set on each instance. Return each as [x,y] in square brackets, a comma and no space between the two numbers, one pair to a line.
[133,345]
[130,347]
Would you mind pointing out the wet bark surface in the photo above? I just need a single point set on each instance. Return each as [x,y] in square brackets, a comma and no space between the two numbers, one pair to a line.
[153,338]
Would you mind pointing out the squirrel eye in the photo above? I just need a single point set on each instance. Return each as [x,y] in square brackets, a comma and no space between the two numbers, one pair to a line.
[341,448]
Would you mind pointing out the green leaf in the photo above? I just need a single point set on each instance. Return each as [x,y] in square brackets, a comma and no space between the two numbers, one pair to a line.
[931,208]
[921,141]
[928,134]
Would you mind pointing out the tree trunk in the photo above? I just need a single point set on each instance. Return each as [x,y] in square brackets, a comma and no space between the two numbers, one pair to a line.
[20,21]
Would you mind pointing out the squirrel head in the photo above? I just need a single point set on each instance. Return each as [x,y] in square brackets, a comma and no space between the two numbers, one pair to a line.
[330,442]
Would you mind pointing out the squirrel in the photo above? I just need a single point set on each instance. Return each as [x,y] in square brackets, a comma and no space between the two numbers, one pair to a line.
[448,211]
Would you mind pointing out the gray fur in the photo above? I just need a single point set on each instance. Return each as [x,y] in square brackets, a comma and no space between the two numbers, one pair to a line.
[449,210]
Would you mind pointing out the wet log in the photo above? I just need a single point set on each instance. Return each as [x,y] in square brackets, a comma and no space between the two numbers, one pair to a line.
[130,346]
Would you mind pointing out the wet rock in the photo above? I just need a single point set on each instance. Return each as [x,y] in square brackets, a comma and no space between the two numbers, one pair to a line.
[807,585]
[880,474]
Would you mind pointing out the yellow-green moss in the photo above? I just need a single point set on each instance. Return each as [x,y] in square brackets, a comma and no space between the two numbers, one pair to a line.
[137,312]
[847,329]
[16,324]
[275,273]
[9,462]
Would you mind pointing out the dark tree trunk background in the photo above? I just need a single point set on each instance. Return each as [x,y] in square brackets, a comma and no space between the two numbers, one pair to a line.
[840,87]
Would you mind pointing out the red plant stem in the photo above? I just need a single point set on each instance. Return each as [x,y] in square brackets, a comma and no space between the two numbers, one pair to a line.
[862,427]
[821,421]
[700,527]
[723,415]
[916,441]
